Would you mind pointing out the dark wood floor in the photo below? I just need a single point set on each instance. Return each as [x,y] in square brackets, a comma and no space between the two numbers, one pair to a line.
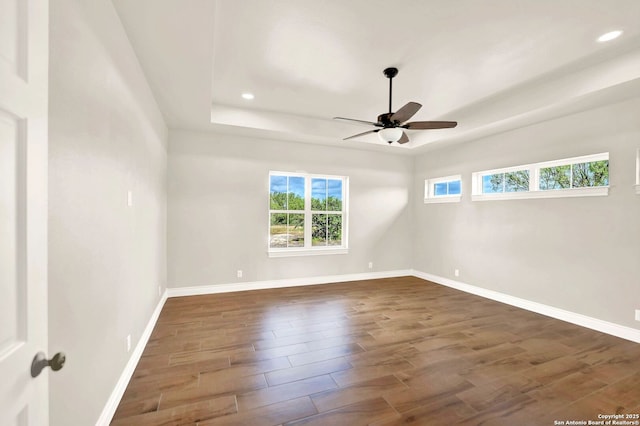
[379,352]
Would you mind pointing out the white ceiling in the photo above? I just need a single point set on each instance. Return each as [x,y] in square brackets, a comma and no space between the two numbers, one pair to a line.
[491,65]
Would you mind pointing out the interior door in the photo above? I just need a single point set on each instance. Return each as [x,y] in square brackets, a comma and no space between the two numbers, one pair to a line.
[23,209]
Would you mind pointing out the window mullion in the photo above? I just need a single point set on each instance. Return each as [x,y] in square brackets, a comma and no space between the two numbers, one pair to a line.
[307,212]
[571,175]
[534,181]
[326,229]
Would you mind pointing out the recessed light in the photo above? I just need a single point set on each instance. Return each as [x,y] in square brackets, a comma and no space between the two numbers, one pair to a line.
[610,36]
[248,96]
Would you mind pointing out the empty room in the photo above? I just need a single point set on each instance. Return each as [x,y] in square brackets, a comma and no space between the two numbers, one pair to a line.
[297,212]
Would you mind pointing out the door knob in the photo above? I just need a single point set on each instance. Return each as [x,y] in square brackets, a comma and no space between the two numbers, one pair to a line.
[40,361]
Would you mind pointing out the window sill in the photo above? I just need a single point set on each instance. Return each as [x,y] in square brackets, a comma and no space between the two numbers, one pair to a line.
[448,199]
[555,193]
[307,252]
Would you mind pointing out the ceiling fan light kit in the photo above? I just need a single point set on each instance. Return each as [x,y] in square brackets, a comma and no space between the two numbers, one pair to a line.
[390,134]
[391,125]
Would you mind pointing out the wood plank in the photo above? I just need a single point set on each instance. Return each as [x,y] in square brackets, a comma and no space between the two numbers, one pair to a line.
[274,414]
[210,390]
[360,413]
[446,411]
[191,413]
[325,354]
[280,393]
[305,371]
[384,352]
[357,392]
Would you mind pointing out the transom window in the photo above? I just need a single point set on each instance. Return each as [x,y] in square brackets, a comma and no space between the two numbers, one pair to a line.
[574,175]
[506,181]
[443,189]
[307,214]
[570,177]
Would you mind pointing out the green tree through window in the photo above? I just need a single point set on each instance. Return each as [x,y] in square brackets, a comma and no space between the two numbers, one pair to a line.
[515,181]
[578,175]
[286,203]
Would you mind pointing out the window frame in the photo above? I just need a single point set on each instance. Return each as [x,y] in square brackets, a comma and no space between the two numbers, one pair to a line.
[308,248]
[637,185]
[430,193]
[534,181]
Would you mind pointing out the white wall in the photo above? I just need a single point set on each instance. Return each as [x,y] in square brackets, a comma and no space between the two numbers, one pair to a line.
[106,260]
[218,209]
[577,254]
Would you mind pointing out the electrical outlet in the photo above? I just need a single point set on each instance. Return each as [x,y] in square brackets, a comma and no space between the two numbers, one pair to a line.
[370,265]
[456,272]
[239,273]
[637,314]
[128,343]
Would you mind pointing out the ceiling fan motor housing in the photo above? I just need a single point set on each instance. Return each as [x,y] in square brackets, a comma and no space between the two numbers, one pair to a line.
[386,121]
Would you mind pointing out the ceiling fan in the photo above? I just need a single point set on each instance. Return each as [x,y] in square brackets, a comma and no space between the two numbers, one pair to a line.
[391,125]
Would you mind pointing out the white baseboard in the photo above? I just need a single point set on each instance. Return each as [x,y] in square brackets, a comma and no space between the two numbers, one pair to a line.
[550,311]
[116,395]
[290,282]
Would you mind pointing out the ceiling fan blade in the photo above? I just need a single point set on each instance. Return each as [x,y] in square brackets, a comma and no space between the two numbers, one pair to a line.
[362,134]
[406,112]
[353,120]
[404,138]
[425,125]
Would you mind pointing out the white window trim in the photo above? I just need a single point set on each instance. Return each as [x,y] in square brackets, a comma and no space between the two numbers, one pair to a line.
[429,190]
[534,181]
[637,185]
[552,193]
[313,251]
[318,250]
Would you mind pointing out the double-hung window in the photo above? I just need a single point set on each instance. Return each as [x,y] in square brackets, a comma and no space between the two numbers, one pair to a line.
[307,214]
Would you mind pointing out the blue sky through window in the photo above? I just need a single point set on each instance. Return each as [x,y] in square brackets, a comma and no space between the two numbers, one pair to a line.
[287,192]
[451,187]
[296,185]
[487,187]
[278,184]
[440,188]
[335,188]
[454,187]
[321,188]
